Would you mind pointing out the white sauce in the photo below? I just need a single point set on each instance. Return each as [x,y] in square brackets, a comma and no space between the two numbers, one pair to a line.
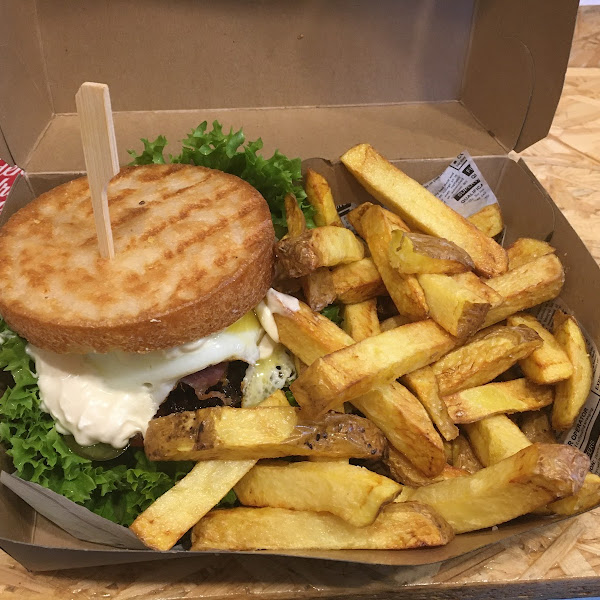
[275,303]
[110,397]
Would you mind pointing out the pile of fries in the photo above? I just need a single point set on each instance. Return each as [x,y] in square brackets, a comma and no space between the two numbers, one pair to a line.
[431,412]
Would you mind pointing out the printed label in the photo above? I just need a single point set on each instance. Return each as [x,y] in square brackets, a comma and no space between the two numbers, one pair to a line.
[8,177]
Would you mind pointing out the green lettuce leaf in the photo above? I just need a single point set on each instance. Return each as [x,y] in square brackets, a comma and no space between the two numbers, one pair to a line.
[118,490]
[332,312]
[273,177]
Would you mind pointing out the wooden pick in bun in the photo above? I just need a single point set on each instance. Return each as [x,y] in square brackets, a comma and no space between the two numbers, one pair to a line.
[193,252]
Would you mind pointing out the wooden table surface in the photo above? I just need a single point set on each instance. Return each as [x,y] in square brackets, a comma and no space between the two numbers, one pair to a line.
[558,561]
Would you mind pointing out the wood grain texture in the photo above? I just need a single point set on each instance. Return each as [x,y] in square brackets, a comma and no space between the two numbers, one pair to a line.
[561,560]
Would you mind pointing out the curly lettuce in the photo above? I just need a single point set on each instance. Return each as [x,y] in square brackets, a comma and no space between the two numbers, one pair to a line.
[274,177]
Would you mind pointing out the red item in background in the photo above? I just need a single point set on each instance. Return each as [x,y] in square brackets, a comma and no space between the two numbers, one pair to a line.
[8,176]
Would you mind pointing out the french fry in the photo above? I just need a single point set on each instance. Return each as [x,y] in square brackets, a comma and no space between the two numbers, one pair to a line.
[524,250]
[277,398]
[355,217]
[406,425]
[495,438]
[413,526]
[571,393]
[414,253]
[309,335]
[360,320]
[536,427]
[423,384]
[352,493]
[548,363]
[422,210]
[490,353]
[318,289]
[463,455]
[515,486]
[319,195]
[457,309]
[403,471]
[162,524]
[296,222]
[404,290]
[320,247]
[526,286]
[351,372]
[476,403]
[488,220]
[393,322]
[357,282]
[477,286]
[227,433]
[585,499]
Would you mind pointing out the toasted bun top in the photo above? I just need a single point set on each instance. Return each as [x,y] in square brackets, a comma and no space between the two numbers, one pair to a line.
[193,252]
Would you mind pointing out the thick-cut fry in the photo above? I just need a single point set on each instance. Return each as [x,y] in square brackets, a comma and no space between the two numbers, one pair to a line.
[162,524]
[277,398]
[357,282]
[403,471]
[526,286]
[393,322]
[423,384]
[525,250]
[227,433]
[320,247]
[548,363]
[318,289]
[319,195]
[404,290]
[360,320]
[353,493]
[585,499]
[490,353]
[413,253]
[488,220]
[483,401]
[572,393]
[355,216]
[456,308]
[406,425]
[354,371]
[536,427]
[421,209]
[309,335]
[495,438]
[513,487]
[477,286]
[296,222]
[463,455]
[414,526]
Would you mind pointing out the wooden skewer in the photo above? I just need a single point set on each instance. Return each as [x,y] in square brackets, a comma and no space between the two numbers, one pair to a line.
[100,152]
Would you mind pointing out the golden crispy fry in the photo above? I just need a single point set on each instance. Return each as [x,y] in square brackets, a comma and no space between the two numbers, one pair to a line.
[319,195]
[488,220]
[393,322]
[404,290]
[513,487]
[477,286]
[360,320]
[352,493]
[572,393]
[403,471]
[414,526]
[318,288]
[355,216]
[423,384]
[495,438]
[548,363]
[490,353]
[536,427]
[309,335]
[413,253]
[162,524]
[277,398]
[585,499]
[526,286]
[421,209]
[456,308]
[357,282]
[296,223]
[354,371]
[406,425]
[463,455]
[320,247]
[518,395]
[227,433]
[524,250]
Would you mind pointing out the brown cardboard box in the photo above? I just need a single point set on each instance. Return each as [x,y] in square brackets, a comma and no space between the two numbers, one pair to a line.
[419,79]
